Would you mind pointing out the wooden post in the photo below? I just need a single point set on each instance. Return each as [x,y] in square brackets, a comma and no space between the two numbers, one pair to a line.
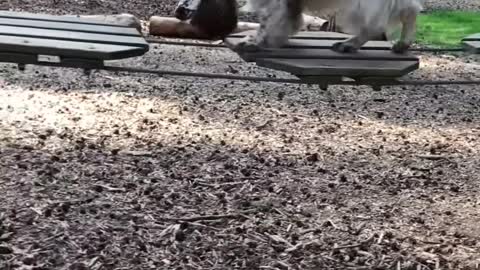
[173,27]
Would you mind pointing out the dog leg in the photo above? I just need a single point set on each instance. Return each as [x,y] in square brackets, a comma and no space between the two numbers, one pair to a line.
[409,20]
[279,20]
[285,22]
[352,44]
[362,33]
[248,43]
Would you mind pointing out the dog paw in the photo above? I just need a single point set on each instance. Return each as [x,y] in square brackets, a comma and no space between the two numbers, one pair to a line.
[344,47]
[400,47]
[248,44]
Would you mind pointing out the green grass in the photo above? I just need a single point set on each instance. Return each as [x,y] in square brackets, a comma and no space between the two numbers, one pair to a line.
[446,28]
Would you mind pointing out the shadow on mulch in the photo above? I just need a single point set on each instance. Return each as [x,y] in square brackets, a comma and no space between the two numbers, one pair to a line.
[237,178]
[198,203]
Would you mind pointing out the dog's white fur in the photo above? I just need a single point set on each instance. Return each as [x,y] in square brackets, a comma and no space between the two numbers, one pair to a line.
[361,18]
[309,22]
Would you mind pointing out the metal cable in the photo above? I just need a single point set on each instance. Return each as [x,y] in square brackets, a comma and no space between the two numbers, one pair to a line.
[361,81]
[201,75]
[281,80]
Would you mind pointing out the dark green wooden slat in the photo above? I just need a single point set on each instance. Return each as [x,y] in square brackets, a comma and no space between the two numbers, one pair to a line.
[67,48]
[73,36]
[474,37]
[328,54]
[21,58]
[74,27]
[11,57]
[302,35]
[347,68]
[472,46]
[318,44]
[54,18]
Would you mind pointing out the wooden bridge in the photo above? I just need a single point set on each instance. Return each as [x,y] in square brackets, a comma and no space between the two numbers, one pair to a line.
[308,56]
[27,38]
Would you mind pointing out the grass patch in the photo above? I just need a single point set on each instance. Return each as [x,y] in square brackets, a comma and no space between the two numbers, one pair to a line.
[446,28]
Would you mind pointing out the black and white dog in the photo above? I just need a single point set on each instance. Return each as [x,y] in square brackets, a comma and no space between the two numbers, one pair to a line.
[364,19]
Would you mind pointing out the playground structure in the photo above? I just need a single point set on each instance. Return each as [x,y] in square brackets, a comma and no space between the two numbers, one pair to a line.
[75,42]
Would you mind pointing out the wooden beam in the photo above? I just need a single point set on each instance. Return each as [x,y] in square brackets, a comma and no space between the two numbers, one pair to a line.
[232,42]
[313,35]
[67,48]
[72,36]
[74,27]
[347,68]
[290,53]
[474,37]
[55,18]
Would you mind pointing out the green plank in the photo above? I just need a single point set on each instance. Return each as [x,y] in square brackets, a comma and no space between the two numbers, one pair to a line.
[472,46]
[69,49]
[18,58]
[54,18]
[328,54]
[474,37]
[73,36]
[302,35]
[21,58]
[326,44]
[87,28]
[317,44]
[347,68]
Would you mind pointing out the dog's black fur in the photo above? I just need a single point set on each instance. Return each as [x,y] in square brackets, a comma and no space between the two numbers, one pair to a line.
[214,18]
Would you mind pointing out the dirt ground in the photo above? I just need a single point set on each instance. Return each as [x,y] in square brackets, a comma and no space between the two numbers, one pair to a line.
[128,171]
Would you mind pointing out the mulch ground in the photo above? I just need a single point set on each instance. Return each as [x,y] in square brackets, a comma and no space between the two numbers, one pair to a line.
[128,171]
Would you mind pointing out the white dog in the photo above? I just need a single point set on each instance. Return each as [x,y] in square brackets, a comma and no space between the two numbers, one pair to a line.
[363,19]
